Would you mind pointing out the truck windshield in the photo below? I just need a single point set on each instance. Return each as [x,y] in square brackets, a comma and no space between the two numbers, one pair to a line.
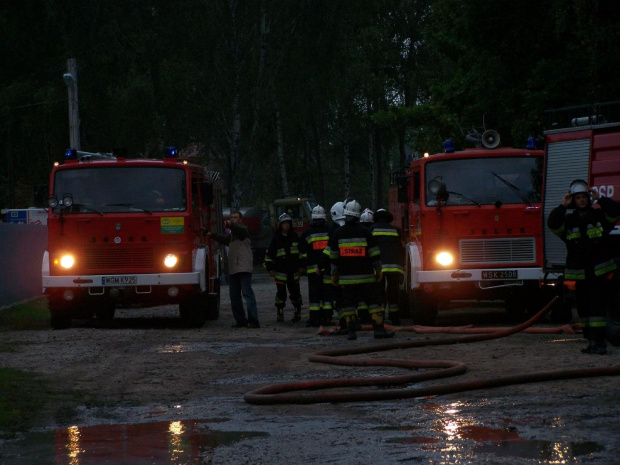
[122,189]
[486,181]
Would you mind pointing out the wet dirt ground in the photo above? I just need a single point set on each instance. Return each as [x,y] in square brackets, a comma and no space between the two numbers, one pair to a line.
[151,391]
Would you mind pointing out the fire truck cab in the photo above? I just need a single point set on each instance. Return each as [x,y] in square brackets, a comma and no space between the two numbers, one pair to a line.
[472,223]
[131,232]
[299,209]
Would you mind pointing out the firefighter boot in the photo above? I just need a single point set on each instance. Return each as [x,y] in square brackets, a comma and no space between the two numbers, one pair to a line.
[344,330]
[379,330]
[352,325]
[297,314]
[280,317]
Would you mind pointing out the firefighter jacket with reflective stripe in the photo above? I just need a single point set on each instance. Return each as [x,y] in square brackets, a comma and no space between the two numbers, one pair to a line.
[354,255]
[587,238]
[392,251]
[283,253]
[312,243]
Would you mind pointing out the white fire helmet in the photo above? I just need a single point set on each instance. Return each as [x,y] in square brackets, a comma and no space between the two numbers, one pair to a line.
[337,211]
[318,213]
[352,209]
[367,216]
[578,186]
[284,217]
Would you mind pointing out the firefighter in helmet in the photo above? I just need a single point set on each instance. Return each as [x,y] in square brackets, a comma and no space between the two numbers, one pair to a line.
[367,218]
[282,263]
[392,261]
[589,259]
[356,267]
[312,243]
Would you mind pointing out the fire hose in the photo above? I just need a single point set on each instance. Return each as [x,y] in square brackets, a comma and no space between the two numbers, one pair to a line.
[311,392]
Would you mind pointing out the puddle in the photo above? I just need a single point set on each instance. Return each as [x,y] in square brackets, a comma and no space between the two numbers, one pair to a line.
[176,443]
[455,432]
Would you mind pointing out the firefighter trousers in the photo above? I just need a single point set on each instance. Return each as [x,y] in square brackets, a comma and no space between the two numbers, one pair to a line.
[593,297]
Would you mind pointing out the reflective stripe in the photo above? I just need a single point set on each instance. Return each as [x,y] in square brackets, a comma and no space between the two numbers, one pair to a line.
[575,275]
[604,268]
[390,268]
[357,279]
[384,232]
[594,232]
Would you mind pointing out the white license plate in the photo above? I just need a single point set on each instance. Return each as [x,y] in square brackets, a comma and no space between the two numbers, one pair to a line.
[500,274]
[119,280]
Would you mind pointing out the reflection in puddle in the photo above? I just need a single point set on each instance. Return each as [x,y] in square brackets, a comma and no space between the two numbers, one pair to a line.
[454,429]
[174,443]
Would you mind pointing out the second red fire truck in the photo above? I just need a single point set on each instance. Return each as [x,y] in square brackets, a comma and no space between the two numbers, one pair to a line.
[472,223]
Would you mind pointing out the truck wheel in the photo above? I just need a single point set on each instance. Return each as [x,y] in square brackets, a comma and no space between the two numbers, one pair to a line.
[424,308]
[60,313]
[613,325]
[561,313]
[213,302]
[105,311]
[192,311]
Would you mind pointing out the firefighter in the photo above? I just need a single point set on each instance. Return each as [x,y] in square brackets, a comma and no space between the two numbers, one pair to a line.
[589,259]
[324,269]
[356,266]
[312,243]
[367,218]
[282,263]
[392,261]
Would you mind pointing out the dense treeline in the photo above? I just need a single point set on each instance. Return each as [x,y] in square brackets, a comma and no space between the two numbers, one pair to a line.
[292,96]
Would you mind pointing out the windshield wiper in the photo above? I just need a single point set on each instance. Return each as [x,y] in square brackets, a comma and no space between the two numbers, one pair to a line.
[514,188]
[87,208]
[128,205]
[461,196]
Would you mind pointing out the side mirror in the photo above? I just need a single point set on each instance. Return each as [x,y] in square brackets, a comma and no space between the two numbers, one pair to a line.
[41,194]
[402,185]
[206,192]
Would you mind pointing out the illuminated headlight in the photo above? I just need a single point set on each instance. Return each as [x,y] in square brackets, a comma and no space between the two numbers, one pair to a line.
[67,261]
[444,258]
[171,260]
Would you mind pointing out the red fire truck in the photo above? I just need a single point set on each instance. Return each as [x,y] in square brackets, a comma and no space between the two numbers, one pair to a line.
[582,142]
[472,223]
[131,231]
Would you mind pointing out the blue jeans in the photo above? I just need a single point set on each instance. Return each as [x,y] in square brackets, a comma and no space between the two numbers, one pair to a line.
[241,284]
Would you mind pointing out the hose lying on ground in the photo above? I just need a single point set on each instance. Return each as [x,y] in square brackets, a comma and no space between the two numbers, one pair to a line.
[298,392]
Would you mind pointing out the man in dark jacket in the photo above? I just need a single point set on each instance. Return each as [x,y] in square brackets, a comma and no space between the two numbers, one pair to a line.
[392,261]
[282,263]
[589,261]
[240,262]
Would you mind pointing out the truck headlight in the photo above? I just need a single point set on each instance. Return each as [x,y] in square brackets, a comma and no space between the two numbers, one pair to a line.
[171,260]
[444,258]
[66,261]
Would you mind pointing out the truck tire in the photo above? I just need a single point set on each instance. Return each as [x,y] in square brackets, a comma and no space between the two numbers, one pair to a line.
[213,302]
[424,308]
[105,311]
[193,309]
[60,313]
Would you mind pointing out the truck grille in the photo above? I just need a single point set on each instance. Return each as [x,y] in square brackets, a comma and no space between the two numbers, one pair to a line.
[118,258]
[497,251]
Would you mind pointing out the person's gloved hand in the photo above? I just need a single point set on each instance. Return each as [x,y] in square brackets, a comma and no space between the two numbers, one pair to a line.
[335,280]
[302,271]
[379,275]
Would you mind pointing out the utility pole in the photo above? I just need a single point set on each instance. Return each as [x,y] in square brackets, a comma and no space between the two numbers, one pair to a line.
[70,79]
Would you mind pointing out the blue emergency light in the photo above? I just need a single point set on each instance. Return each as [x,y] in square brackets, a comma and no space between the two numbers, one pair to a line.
[171,152]
[448,146]
[71,154]
[531,143]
